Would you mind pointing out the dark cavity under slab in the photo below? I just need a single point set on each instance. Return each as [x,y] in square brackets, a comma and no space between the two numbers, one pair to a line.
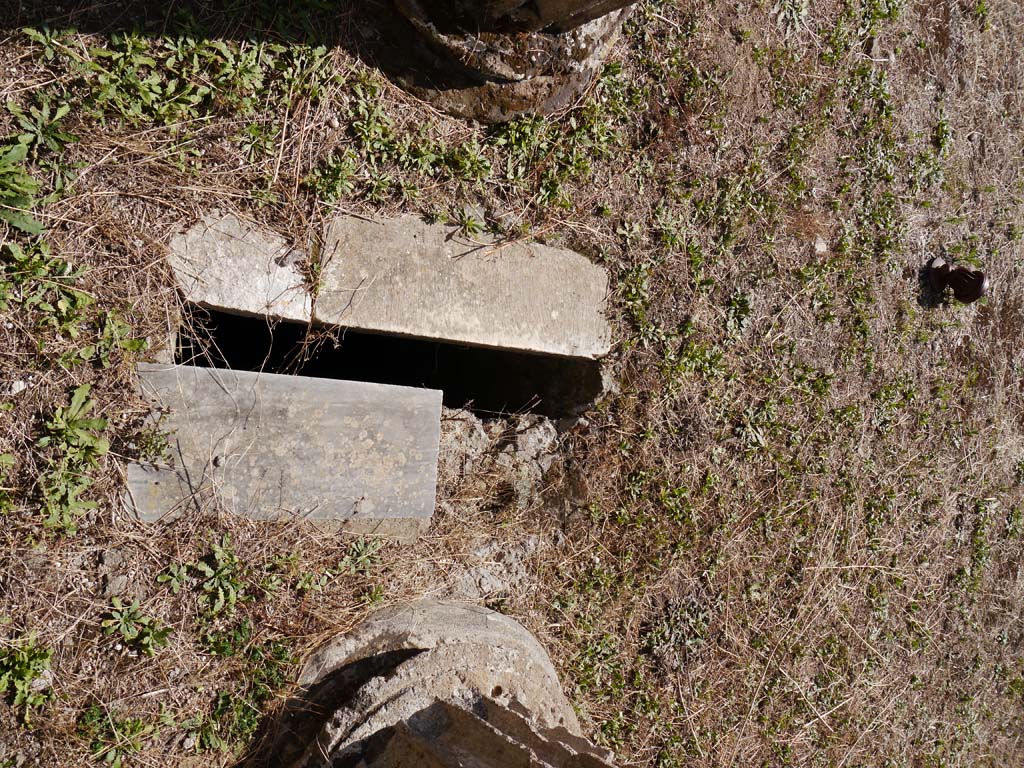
[486,381]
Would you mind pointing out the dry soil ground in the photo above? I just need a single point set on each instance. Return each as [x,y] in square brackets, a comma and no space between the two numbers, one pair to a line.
[790,535]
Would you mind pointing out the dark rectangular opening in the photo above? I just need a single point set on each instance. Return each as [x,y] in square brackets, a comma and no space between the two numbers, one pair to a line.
[489,382]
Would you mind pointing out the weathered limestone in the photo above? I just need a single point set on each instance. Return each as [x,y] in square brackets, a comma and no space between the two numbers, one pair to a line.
[410,278]
[225,262]
[271,446]
[433,684]
[404,277]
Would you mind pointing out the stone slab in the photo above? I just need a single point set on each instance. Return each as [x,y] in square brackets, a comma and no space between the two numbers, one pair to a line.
[270,446]
[226,263]
[406,277]
[403,277]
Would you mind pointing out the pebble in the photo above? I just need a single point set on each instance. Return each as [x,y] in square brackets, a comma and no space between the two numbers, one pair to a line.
[15,387]
[43,681]
[115,586]
[111,558]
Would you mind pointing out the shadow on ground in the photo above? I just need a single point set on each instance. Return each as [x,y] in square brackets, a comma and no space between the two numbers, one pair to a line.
[372,30]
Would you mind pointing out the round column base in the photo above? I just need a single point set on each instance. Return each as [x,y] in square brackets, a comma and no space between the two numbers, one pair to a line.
[495,77]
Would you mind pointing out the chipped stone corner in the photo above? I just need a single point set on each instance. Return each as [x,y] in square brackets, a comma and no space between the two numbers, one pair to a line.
[224,262]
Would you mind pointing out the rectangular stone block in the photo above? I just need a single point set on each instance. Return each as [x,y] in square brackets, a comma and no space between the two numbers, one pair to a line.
[406,277]
[270,446]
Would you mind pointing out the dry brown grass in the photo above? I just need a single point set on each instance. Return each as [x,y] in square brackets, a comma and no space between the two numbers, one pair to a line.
[792,536]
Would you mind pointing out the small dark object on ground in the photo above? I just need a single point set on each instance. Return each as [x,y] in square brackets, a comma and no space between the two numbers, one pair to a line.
[968,285]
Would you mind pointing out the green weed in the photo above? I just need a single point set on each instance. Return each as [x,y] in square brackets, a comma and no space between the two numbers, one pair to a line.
[44,285]
[363,554]
[467,162]
[22,663]
[689,354]
[312,582]
[114,336]
[599,667]
[790,15]
[635,287]
[1014,521]
[127,81]
[335,178]
[175,577]
[468,224]
[682,629]
[112,739]
[970,577]
[980,13]
[220,579]
[229,642]
[141,632]
[236,714]
[41,124]
[874,13]
[737,314]
[175,79]
[6,499]
[74,432]
[17,189]
[51,40]
[77,445]
[258,141]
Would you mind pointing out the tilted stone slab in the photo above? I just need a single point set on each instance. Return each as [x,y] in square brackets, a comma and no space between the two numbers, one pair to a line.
[270,446]
[410,278]
[226,263]
[403,277]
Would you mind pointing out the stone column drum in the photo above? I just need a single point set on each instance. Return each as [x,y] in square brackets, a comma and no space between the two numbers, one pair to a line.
[492,60]
[431,684]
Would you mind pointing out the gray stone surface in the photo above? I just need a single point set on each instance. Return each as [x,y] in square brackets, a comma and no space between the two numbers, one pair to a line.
[224,262]
[410,278]
[271,446]
[404,277]
[501,568]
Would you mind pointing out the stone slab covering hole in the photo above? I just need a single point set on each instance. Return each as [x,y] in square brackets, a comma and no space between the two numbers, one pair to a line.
[487,381]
